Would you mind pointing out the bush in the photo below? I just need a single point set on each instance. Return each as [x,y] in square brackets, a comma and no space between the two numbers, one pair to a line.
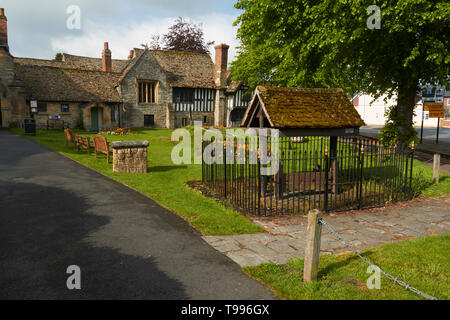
[80,124]
[420,181]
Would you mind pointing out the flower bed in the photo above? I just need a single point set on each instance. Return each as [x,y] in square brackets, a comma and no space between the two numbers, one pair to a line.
[117,132]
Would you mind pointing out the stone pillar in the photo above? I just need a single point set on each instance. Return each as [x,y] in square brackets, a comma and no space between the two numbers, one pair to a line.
[220,109]
[170,116]
[130,156]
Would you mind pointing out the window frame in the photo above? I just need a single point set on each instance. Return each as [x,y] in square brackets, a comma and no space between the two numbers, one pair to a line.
[39,107]
[62,107]
[113,113]
[143,95]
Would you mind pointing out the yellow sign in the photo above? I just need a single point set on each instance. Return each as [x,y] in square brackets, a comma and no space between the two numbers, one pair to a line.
[436,110]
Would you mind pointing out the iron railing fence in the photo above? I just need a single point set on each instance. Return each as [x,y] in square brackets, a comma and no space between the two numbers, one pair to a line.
[339,174]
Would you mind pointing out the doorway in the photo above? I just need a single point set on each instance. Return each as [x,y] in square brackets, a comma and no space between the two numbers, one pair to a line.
[96,119]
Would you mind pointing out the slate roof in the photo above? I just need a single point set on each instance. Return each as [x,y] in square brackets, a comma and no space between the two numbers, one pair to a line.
[69,85]
[305,108]
[75,62]
[186,69]
[233,86]
[81,79]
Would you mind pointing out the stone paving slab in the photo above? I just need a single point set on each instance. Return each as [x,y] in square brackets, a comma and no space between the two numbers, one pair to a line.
[284,237]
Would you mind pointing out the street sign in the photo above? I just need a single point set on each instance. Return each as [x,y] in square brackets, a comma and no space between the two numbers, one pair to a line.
[436,110]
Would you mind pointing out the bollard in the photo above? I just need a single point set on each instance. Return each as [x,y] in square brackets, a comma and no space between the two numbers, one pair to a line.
[436,167]
[312,249]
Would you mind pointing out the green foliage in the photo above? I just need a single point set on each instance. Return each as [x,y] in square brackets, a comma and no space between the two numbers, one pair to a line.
[80,124]
[308,43]
[394,131]
[419,262]
[58,57]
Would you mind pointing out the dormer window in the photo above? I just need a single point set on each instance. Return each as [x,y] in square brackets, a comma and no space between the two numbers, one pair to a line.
[147,91]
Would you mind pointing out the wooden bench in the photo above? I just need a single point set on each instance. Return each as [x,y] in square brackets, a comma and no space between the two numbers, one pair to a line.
[101,145]
[70,137]
[83,143]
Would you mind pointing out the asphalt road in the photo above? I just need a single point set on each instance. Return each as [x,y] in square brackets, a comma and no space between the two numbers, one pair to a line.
[428,133]
[55,213]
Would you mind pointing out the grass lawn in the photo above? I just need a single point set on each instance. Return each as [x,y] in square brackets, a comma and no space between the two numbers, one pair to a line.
[164,182]
[423,263]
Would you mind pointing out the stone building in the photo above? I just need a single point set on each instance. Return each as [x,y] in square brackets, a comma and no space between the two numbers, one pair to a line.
[152,88]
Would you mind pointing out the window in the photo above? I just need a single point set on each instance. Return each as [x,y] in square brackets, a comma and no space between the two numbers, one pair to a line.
[184,122]
[193,99]
[113,113]
[149,120]
[65,108]
[205,119]
[183,95]
[147,91]
[42,107]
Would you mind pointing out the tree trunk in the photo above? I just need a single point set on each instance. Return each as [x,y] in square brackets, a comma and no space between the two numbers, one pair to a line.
[406,103]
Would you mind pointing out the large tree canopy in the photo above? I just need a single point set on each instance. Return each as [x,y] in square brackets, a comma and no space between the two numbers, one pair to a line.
[328,43]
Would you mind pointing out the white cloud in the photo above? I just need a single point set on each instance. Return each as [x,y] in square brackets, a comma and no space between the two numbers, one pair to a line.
[217,27]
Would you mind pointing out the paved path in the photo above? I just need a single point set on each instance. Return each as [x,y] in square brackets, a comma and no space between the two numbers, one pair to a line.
[429,139]
[285,236]
[55,213]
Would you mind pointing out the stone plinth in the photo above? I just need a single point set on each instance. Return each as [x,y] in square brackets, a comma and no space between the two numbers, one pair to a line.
[130,156]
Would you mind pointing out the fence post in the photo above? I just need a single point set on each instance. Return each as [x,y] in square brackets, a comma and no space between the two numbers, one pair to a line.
[411,172]
[312,249]
[224,159]
[361,176]
[327,177]
[436,167]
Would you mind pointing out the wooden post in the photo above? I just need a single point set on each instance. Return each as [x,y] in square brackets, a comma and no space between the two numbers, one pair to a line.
[312,249]
[436,167]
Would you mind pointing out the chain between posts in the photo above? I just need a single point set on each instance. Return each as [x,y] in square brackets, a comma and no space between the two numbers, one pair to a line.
[400,282]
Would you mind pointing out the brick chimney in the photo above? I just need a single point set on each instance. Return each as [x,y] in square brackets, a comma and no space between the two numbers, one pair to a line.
[221,65]
[106,59]
[3,29]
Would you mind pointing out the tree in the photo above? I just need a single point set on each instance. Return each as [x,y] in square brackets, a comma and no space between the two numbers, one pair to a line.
[58,57]
[329,43]
[182,36]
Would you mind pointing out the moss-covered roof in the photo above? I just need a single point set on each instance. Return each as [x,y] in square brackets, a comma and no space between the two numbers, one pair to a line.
[305,108]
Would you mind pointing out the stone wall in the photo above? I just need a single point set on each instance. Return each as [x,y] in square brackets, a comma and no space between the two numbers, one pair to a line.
[196,116]
[13,105]
[53,109]
[146,69]
[130,156]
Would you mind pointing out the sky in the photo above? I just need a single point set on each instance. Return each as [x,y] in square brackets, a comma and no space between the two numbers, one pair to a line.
[39,28]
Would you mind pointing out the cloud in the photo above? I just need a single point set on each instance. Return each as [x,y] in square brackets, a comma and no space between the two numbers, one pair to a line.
[217,27]
[38,28]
